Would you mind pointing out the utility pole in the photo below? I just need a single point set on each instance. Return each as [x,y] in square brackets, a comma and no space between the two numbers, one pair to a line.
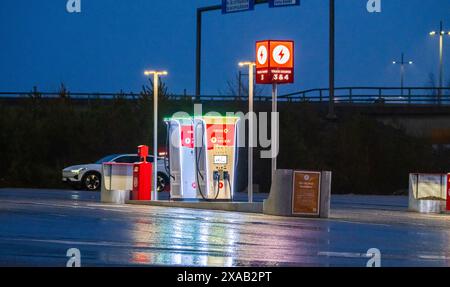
[331,112]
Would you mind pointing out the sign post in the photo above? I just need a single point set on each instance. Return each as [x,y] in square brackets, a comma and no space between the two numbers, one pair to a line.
[274,65]
[274,129]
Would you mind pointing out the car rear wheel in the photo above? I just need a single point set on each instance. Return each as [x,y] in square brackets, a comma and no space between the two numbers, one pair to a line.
[92,181]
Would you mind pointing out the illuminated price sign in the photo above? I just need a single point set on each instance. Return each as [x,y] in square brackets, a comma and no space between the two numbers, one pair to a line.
[275,62]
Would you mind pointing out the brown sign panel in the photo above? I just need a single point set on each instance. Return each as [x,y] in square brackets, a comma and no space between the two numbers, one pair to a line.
[306,193]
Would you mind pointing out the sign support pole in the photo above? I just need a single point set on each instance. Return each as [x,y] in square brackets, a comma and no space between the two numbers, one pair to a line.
[250,132]
[198,52]
[155,136]
[274,129]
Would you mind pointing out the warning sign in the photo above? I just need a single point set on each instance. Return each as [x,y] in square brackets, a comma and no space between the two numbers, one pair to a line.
[306,193]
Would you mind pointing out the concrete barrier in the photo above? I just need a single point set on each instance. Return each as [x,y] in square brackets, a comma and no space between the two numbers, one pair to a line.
[117,182]
[427,193]
[281,195]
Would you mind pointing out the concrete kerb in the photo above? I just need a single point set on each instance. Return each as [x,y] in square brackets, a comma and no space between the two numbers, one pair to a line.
[244,207]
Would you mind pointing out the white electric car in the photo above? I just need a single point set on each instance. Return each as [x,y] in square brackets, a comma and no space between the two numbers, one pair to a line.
[89,176]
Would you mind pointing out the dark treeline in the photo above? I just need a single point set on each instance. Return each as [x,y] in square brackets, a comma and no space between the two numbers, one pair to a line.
[40,137]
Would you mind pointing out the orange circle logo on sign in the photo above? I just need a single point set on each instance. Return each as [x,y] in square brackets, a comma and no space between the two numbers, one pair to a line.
[282,54]
[262,55]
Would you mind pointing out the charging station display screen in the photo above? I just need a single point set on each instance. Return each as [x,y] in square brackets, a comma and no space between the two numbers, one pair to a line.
[220,159]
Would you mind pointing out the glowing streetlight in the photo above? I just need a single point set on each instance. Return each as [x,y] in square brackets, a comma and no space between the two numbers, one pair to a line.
[441,33]
[251,66]
[156,75]
[402,64]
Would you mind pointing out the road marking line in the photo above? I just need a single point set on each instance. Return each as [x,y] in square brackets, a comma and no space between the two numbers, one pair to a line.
[343,254]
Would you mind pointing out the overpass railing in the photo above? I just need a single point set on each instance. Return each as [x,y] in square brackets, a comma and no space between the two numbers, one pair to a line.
[343,95]
[374,95]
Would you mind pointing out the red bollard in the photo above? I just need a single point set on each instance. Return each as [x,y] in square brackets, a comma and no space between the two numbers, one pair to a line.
[142,176]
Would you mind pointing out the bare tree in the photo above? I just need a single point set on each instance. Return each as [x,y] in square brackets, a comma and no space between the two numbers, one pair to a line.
[63,93]
[238,87]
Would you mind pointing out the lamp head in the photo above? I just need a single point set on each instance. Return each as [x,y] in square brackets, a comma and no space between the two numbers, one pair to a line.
[242,64]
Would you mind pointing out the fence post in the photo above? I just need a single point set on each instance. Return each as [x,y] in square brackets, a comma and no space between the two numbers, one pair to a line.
[351,95]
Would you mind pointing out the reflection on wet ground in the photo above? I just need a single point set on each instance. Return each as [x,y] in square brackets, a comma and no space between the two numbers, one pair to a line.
[38,226]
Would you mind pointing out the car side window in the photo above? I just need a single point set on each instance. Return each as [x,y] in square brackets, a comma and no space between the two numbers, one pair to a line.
[149,159]
[127,159]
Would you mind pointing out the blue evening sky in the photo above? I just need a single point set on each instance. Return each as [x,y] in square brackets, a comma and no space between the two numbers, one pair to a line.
[107,46]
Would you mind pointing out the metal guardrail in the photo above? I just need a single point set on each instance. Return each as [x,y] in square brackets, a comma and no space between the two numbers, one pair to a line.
[343,95]
[375,95]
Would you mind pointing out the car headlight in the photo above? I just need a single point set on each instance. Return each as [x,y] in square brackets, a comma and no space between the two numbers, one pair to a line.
[78,170]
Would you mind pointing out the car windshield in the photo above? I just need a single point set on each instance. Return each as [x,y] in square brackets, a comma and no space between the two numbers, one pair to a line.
[106,159]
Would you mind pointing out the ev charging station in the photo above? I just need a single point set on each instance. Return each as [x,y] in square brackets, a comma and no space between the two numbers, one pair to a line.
[216,141]
[180,138]
[203,157]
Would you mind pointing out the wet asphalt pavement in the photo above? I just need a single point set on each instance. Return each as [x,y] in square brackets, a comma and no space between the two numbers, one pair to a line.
[37,227]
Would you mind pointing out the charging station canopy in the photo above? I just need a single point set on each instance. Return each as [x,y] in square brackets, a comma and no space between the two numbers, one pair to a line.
[274,62]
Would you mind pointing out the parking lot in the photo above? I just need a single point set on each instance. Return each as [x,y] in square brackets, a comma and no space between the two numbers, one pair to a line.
[37,227]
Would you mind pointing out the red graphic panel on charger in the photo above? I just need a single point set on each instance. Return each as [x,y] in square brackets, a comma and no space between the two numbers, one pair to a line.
[220,135]
[187,136]
[448,192]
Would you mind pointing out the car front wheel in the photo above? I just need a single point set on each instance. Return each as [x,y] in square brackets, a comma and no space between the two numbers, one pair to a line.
[92,181]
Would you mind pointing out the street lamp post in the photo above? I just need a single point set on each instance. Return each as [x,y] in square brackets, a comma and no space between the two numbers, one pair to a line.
[402,64]
[442,33]
[156,75]
[251,66]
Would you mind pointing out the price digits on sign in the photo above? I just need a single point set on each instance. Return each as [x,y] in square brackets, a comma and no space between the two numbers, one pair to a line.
[280,77]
